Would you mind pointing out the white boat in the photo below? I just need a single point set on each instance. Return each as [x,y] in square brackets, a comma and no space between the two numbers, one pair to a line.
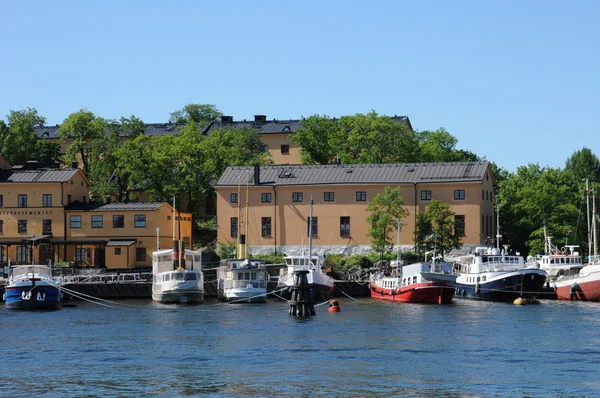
[32,287]
[320,283]
[242,281]
[177,279]
[559,264]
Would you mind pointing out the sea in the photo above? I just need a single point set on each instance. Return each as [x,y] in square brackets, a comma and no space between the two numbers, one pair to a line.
[135,348]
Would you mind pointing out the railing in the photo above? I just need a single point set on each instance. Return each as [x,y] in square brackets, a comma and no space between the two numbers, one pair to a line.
[244,284]
[142,277]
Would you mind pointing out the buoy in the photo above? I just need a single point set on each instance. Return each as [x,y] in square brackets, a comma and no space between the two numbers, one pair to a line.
[520,301]
[334,306]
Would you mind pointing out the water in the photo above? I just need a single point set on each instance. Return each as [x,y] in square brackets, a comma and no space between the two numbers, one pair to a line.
[370,348]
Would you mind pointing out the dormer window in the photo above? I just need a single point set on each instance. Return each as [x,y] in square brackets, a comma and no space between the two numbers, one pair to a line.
[286,128]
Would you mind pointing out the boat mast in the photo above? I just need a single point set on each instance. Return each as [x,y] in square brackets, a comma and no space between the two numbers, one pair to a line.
[239,221]
[587,198]
[594,234]
[310,231]
[498,236]
[246,216]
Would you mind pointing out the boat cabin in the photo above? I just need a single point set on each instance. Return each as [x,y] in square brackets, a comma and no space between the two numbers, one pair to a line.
[243,273]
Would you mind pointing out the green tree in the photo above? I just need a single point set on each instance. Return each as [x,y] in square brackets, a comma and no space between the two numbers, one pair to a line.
[583,164]
[423,229]
[197,113]
[440,146]
[320,139]
[49,153]
[82,128]
[377,139]
[442,221]
[18,141]
[385,210]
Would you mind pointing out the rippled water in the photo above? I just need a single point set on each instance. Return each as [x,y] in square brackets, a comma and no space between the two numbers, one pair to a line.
[370,348]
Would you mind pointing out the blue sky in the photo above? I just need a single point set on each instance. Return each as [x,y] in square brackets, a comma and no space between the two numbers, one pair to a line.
[514,81]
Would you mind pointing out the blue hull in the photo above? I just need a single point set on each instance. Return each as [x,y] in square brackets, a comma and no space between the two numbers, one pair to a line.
[527,284]
[39,297]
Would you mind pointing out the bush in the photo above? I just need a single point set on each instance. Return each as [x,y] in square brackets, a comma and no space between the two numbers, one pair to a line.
[273,258]
[226,250]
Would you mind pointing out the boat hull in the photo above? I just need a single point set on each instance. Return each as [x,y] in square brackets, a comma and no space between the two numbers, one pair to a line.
[428,292]
[579,291]
[254,295]
[319,293]
[28,297]
[505,288]
[178,297]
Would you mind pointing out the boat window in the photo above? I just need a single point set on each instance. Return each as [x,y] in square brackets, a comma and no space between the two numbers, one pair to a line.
[415,279]
[190,276]
[197,259]
[551,261]
[253,276]
[240,276]
[483,278]
[247,276]
[178,276]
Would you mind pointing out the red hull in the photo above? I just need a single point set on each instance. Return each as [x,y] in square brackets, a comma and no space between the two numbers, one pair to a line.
[585,291]
[430,292]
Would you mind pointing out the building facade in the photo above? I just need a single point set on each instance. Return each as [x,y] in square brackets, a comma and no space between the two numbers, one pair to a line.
[45,216]
[278,203]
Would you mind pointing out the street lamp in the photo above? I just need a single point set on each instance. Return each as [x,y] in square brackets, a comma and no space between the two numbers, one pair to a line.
[157,238]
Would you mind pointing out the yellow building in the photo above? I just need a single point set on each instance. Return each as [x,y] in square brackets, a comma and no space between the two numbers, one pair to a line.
[279,197]
[45,216]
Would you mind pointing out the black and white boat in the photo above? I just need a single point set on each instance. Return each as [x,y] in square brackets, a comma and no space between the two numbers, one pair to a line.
[177,276]
[494,275]
[32,287]
[321,284]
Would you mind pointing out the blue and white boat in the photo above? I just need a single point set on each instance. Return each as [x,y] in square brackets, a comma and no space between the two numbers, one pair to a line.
[32,287]
[494,275]
[242,281]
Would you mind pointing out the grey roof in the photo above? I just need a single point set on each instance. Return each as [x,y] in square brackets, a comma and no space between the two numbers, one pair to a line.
[151,129]
[100,206]
[279,126]
[38,175]
[120,242]
[351,174]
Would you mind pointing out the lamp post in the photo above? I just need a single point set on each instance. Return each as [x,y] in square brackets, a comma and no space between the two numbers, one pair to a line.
[157,238]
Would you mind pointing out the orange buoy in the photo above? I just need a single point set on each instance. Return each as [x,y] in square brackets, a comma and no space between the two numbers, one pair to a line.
[334,306]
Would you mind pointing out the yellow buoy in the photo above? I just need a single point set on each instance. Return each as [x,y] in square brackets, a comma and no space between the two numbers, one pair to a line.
[520,301]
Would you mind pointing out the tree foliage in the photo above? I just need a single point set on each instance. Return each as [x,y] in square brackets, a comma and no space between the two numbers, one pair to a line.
[583,164]
[320,139]
[435,229]
[82,128]
[440,146]
[18,141]
[196,113]
[385,210]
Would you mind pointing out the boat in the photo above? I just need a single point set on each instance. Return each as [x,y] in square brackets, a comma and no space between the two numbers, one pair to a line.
[558,263]
[585,285]
[424,282]
[242,281]
[320,284]
[177,276]
[494,275]
[32,287]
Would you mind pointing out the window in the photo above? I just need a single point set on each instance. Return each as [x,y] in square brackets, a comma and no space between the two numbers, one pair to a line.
[140,254]
[97,222]
[69,198]
[80,255]
[46,200]
[487,226]
[315,227]
[22,254]
[118,221]
[75,221]
[22,200]
[361,196]
[234,227]
[344,226]
[459,194]
[266,226]
[491,196]
[233,198]
[425,195]
[84,199]
[1,226]
[329,196]
[117,251]
[482,194]
[139,221]
[47,227]
[487,193]
[483,225]
[296,196]
[22,226]
[459,225]
[1,201]
[285,149]
[265,197]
